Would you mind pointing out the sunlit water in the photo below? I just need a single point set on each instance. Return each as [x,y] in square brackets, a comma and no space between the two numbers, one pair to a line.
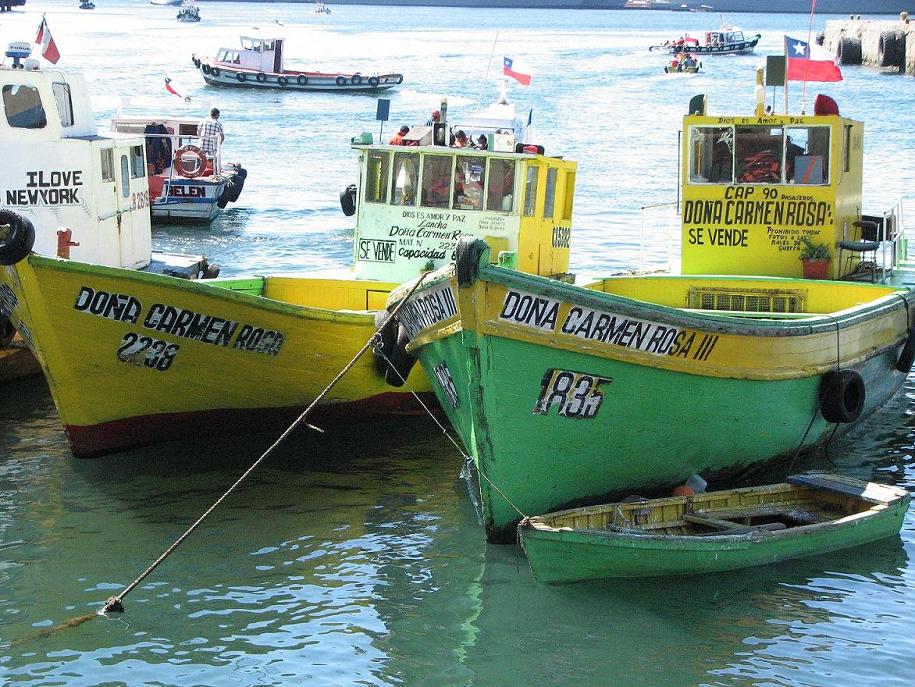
[355,557]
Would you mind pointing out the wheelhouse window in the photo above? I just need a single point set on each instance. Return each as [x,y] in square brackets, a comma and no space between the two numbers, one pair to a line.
[376,176]
[137,162]
[549,193]
[711,150]
[436,181]
[469,176]
[807,155]
[501,188]
[404,178]
[107,164]
[530,190]
[758,154]
[64,102]
[125,177]
[569,195]
[23,107]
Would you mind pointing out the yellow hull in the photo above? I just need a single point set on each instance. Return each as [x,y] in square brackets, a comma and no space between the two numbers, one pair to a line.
[133,358]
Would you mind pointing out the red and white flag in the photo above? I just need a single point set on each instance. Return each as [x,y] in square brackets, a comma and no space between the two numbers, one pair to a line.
[805,62]
[48,47]
[173,88]
[516,71]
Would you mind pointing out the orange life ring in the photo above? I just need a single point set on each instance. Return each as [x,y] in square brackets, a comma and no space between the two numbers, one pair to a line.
[180,167]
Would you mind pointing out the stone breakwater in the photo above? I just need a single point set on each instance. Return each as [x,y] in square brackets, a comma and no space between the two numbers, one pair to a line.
[888,45]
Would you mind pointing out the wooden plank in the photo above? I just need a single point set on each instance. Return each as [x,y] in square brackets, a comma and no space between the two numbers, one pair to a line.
[867,491]
[728,526]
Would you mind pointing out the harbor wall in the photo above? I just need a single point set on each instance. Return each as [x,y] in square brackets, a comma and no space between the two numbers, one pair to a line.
[888,45]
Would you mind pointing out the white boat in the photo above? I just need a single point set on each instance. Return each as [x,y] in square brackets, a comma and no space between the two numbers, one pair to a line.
[86,194]
[87,5]
[259,64]
[727,40]
[185,184]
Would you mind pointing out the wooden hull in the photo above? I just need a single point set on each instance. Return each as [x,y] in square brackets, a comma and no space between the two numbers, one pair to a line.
[134,358]
[566,396]
[189,200]
[660,537]
[221,75]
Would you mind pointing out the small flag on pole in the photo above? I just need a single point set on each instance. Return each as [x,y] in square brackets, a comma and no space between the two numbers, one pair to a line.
[172,88]
[805,62]
[46,42]
[516,71]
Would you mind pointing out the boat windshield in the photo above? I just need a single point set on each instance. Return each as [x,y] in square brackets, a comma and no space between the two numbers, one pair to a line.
[759,155]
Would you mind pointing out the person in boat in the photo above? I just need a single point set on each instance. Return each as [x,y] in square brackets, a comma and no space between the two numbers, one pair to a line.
[689,61]
[482,143]
[460,139]
[675,63]
[210,133]
[397,139]
[434,118]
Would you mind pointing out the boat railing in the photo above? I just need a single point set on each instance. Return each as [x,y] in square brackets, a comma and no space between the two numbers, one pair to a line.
[182,140]
[659,236]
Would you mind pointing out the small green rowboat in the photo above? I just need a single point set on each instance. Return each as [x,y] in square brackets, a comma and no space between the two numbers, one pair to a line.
[811,514]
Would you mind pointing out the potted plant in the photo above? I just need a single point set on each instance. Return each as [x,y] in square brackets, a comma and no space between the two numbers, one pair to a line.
[815,259]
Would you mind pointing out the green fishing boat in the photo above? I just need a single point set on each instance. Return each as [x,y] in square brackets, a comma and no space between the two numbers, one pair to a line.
[567,395]
[811,514]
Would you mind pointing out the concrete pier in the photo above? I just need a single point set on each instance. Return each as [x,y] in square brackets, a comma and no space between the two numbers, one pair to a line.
[889,45]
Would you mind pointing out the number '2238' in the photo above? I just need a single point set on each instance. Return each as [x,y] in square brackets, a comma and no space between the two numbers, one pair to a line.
[143,350]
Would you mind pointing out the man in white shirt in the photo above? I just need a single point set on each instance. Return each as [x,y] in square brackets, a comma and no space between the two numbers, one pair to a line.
[210,133]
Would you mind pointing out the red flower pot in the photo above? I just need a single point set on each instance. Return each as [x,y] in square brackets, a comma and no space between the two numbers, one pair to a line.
[815,269]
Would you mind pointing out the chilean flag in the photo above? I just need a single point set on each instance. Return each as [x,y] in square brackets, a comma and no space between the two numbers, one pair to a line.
[48,47]
[805,62]
[523,77]
[170,86]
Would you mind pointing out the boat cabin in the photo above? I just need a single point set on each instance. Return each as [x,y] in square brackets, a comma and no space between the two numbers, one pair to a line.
[256,53]
[415,202]
[754,187]
[59,172]
[724,37]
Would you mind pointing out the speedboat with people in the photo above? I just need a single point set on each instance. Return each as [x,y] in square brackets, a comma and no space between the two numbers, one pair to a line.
[321,8]
[189,12]
[726,40]
[259,63]
[87,5]
[683,64]
[188,178]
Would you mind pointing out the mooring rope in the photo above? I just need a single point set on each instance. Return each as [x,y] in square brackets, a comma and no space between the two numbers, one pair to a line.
[114,603]
[467,459]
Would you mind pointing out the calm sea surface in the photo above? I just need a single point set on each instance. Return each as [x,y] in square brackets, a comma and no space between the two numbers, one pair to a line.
[355,557]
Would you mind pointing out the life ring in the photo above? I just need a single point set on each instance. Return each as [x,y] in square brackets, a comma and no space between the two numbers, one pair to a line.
[206,69]
[348,200]
[184,171]
[841,396]
[907,355]
[214,71]
[241,77]
[399,79]
[341,80]
[357,79]
[373,81]
[301,79]
[467,264]
[17,236]
[261,77]
[282,81]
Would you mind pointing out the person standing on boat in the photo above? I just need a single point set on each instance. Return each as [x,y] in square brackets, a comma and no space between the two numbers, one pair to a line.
[210,133]
[397,139]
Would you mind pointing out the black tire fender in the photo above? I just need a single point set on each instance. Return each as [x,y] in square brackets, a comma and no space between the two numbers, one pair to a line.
[17,236]
[467,264]
[373,81]
[399,361]
[301,79]
[348,200]
[241,77]
[357,79]
[196,61]
[842,395]
[341,80]
[387,330]
[849,50]
[891,51]
[238,183]
[261,77]
[215,71]
[206,69]
[907,354]
[282,80]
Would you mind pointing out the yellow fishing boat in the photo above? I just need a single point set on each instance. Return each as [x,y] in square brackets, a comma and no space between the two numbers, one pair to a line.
[133,358]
